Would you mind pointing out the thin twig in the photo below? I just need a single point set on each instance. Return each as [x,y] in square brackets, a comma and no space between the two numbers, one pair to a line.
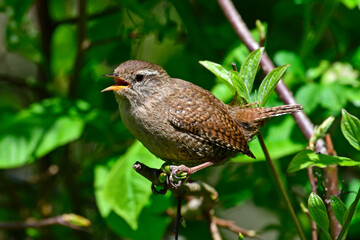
[214,230]
[58,220]
[281,187]
[231,225]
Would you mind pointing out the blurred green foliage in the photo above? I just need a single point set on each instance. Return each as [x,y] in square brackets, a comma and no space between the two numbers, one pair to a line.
[64,149]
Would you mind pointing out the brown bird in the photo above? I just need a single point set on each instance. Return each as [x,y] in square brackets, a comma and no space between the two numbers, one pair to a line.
[182,123]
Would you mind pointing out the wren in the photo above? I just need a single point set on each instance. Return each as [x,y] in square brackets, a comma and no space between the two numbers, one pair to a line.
[182,123]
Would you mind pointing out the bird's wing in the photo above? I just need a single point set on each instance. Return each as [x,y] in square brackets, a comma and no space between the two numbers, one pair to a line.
[202,114]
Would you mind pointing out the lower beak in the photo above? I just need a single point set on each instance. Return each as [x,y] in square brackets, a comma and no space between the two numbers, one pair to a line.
[114,88]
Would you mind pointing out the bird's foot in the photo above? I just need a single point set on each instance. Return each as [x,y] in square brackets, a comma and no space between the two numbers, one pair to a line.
[174,176]
[178,175]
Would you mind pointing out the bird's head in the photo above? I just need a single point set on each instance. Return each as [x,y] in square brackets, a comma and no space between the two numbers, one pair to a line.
[137,78]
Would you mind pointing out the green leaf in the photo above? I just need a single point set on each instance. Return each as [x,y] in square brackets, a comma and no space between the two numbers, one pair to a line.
[318,213]
[349,215]
[101,172]
[63,53]
[350,126]
[308,96]
[332,97]
[241,81]
[320,131]
[240,236]
[125,190]
[269,83]
[338,208]
[249,69]
[239,85]
[218,71]
[351,4]
[308,158]
[44,126]
[283,57]
[151,215]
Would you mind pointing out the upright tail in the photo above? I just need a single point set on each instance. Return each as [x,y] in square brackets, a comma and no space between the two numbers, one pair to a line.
[261,113]
[252,119]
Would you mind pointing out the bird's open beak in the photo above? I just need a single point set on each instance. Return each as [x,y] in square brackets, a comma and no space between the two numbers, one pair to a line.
[119,83]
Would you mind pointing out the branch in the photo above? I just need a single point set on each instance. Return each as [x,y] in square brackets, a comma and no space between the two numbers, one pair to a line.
[231,225]
[202,206]
[331,188]
[68,220]
[214,230]
[284,93]
[198,188]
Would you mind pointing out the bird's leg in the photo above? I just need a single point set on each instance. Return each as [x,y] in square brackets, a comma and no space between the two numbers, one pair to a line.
[190,170]
[178,174]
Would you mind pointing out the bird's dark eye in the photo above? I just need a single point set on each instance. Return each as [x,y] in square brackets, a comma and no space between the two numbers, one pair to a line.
[139,77]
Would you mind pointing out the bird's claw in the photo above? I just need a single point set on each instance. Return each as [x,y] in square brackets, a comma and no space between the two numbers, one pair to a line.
[178,175]
[173,176]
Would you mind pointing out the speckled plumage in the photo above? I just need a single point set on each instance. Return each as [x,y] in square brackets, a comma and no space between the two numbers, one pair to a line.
[182,123]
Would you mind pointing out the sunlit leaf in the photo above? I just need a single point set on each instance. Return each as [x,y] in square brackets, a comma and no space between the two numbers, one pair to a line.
[151,213]
[296,72]
[42,127]
[239,85]
[249,69]
[309,158]
[218,71]
[269,83]
[332,97]
[63,53]
[125,190]
[308,96]
[350,126]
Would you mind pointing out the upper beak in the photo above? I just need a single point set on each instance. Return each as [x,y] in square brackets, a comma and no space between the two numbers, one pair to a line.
[119,82]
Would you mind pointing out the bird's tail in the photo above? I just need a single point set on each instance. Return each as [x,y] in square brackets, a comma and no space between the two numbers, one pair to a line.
[252,119]
[265,113]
